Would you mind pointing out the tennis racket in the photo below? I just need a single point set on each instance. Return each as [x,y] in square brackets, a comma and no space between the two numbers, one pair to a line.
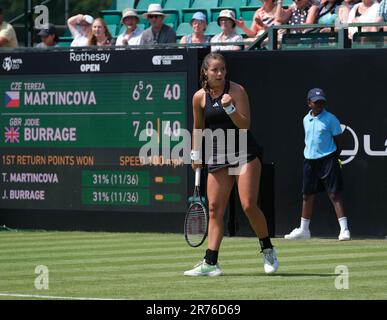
[196,219]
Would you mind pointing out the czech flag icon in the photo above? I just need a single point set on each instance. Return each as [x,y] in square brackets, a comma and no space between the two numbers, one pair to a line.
[12,99]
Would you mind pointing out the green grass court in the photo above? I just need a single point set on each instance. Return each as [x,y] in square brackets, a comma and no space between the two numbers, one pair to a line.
[150,266]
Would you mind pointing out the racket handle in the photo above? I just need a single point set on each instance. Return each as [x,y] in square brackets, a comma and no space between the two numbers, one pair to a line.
[197,177]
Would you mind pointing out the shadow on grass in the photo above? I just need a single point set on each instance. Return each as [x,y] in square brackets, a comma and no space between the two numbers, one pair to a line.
[281,274]
[297,274]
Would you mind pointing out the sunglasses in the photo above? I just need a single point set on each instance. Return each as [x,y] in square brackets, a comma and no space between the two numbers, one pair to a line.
[152,16]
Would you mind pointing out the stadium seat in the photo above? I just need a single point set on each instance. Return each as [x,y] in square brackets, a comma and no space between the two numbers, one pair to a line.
[204,4]
[122,4]
[177,5]
[235,4]
[254,3]
[287,3]
[213,28]
[183,29]
[122,29]
[366,39]
[143,4]
[113,29]
[64,41]
[307,41]
[172,18]
[67,33]
[143,21]
[111,16]
[247,13]
[216,11]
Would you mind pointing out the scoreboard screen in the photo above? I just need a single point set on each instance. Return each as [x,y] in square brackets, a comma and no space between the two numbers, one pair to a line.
[95,140]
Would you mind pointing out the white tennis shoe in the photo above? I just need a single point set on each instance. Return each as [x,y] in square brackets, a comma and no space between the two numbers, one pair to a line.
[204,269]
[345,235]
[270,262]
[298,234]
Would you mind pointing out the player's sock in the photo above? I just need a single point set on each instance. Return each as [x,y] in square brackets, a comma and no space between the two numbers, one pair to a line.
[211,257]
[343,221]
[304,224]
[265,243]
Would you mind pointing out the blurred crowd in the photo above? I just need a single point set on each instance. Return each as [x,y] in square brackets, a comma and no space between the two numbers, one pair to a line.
[89,31]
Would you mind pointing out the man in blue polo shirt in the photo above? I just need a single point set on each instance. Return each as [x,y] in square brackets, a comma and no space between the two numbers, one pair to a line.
[322,169]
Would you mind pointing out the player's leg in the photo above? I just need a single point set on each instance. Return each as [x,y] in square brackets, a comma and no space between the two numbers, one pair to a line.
[333,183]
[248,189]
[219,186]
[307,206]
[337,203]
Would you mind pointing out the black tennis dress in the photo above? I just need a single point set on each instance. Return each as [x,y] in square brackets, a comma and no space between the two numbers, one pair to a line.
[225,152]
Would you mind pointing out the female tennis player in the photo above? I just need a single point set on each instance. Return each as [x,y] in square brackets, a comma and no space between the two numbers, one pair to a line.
[222,104]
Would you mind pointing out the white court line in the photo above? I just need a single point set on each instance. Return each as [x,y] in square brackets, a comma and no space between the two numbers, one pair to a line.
[18,295]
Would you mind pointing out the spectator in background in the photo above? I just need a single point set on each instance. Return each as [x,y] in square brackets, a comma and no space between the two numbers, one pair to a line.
[264,17]
[198,24]
[81,36]
[344,9]
[328,13]
[132,35]
[365,11]
[158,32]
[303,12]
[8,37]
[100,34]
[226,21]
[382,13]
[48,36]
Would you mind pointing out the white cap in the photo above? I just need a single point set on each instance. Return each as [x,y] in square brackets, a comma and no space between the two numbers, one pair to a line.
[199,16]
[129,12]
[88,19]
[226,14]
[154,8]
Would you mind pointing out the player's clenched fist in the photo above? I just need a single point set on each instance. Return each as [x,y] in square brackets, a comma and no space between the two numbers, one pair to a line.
[226,100]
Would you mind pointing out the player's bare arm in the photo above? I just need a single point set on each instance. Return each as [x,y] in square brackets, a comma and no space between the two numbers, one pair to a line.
[198,121]
[238,97]
[338,141]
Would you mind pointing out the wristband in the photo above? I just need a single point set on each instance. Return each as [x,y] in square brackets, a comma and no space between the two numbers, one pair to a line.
[195,155]
[230,109]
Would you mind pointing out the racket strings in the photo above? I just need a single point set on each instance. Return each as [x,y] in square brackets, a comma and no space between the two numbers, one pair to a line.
[196,224]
